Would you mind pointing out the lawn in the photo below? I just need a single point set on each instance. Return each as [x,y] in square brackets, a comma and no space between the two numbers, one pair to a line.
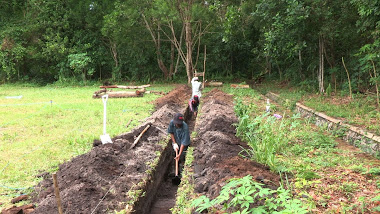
[41,127]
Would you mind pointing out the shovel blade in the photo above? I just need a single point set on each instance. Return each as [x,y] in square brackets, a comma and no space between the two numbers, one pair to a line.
[105,139]
[176,180]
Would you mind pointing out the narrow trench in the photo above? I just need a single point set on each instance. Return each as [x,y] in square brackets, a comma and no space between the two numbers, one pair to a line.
[166,192]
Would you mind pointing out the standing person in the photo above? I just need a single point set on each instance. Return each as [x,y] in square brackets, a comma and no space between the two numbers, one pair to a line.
[193,105]
[179,133]
[197,87]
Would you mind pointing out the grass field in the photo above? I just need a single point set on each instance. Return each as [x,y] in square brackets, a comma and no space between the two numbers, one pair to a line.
[47,126]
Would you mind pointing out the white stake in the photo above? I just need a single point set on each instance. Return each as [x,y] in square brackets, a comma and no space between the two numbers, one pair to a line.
[105,138]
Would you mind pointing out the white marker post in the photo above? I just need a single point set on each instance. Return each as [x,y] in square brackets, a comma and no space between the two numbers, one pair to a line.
[105,138]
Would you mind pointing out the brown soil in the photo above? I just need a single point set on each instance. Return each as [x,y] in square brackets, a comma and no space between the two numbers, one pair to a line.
[216,153]
[99,180]
[177,96]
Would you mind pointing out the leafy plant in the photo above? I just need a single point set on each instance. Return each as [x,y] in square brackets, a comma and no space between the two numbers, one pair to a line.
[243,195]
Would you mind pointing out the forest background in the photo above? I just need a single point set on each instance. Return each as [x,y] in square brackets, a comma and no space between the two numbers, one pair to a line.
[315,44]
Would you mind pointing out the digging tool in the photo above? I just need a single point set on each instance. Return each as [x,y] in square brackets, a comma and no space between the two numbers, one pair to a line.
[176,180]
[105,138]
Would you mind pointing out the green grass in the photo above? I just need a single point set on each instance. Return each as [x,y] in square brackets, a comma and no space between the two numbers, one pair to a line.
[361,111]
[48,126]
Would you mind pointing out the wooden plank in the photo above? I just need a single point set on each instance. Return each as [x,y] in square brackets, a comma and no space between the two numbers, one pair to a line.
[121,94]
[198,74]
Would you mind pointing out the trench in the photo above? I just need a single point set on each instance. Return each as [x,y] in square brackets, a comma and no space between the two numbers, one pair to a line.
[166,193]
[160,193]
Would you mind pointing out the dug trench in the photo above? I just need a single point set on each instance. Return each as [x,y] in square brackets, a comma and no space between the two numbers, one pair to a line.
[117,177]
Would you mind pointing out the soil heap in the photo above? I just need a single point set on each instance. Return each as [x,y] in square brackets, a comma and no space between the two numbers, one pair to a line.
[216,153]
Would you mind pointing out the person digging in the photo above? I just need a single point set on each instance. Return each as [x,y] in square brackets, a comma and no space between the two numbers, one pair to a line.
[180,136]
[193,105]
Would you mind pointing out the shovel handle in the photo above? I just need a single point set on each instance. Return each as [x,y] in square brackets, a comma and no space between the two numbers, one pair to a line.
[105,98]
[176,163]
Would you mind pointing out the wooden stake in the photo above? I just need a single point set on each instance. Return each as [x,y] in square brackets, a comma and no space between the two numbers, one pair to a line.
[129,122]
[204,70]
[56,191]
[138,138]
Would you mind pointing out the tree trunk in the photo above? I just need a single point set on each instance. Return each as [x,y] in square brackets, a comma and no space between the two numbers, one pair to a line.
[189,48]
[268,64]
[376,84]
[321,69]
[157,44]
[300,60]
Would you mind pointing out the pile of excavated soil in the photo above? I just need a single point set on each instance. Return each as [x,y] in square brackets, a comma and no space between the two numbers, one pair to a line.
[180,95]
[97,182]
[216,153]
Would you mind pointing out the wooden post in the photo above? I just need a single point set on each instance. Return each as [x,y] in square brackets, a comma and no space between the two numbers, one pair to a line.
[56,191]
[204,69]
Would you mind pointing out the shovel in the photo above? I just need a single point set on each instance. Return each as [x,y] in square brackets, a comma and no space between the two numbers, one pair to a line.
[176,180]
[105,138]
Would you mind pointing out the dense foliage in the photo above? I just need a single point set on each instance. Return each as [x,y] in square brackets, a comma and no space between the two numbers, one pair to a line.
[304,42]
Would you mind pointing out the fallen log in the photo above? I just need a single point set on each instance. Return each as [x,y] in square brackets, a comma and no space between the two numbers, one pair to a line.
[214,84]
[239,86]
[99,92]
[120,94]
[125,87]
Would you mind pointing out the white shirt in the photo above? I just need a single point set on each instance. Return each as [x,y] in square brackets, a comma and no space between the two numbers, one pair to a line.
[196,86]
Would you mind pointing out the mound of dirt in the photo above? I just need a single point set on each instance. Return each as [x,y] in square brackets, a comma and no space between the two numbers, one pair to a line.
[180,95]
[97,182]
[216,151]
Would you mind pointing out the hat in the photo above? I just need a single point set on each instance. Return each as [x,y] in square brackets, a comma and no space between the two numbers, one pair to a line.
[178,118]
[196,98]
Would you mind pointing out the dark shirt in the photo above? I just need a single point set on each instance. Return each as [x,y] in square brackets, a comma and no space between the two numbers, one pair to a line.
[181,135]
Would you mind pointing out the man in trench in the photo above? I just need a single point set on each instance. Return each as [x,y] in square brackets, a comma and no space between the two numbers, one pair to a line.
[179,133]
[193,106]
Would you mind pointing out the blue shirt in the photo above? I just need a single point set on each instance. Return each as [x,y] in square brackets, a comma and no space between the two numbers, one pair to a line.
[181,135]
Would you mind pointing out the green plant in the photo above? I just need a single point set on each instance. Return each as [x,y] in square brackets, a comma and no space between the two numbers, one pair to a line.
[374,171]
[243,195]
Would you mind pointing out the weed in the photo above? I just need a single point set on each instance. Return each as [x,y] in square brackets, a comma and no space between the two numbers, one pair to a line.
[349,187]
[243,195]
[374,171]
